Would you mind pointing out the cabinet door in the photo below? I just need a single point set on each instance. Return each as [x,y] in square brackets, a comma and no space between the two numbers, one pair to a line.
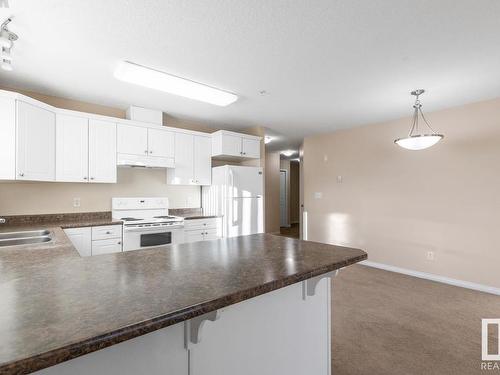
[36,143]
[72,149]
[250,148]
[161,143]
[106,246]
[210,234]
[81,239]
[8,139]
[231,145]
[132,140]
[193,235]
[202,160]
[183,174]
[102,151]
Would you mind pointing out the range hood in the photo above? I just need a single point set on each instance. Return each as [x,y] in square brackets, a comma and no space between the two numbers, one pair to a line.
[139,161]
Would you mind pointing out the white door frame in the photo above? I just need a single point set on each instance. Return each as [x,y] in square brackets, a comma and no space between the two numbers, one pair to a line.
[285,222]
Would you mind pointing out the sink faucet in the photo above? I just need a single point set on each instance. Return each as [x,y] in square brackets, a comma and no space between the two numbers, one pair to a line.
[2,220]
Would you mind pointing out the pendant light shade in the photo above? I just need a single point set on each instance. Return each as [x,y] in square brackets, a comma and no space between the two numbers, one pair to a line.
[415,140]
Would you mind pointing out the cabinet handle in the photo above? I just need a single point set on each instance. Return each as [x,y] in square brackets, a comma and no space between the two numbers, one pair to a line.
[85,178]
[150,152]
[21,174]
[91,178]
[145,151]
[119,242]
[108,232]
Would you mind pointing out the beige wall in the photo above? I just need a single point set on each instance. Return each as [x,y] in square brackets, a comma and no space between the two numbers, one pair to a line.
[272,184]
[399,204]
[294,192]
[17,198]
[20,198]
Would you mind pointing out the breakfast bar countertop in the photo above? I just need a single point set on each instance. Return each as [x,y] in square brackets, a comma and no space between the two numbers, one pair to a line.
[57,305]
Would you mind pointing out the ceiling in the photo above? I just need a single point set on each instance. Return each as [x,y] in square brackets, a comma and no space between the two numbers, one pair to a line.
[324,64]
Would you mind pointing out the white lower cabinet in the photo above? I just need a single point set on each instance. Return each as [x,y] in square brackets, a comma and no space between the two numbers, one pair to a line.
[98,240]
[81,238]
[202,229]
[113,245]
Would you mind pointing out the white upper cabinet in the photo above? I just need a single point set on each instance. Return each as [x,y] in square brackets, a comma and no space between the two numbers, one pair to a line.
[36,138]
[202,160]
[72,148]
[102,151]
[7,138]
[250,148]
[85,150]
[161,143]
[231,145]
[193,163]
[145,146]
[184,159]
[132,140]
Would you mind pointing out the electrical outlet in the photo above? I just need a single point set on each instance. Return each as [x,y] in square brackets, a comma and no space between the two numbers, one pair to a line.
[318,195]
[76,202]
[339,179]
[430,255]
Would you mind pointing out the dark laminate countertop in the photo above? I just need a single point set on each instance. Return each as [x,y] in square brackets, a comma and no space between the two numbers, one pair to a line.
[191,213]
[56,305]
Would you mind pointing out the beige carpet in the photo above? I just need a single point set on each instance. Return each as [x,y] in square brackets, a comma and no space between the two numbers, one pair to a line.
[387,323]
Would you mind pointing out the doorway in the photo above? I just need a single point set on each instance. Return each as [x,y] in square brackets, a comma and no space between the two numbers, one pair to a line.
[289,198]
[284,199]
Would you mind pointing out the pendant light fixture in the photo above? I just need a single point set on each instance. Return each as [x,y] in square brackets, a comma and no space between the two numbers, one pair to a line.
[416,140]
[7,39]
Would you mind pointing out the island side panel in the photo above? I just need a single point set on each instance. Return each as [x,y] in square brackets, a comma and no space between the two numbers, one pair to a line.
[276,333]
[160,352]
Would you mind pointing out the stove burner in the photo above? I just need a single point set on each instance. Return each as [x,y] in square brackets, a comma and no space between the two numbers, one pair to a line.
[130,219]
[164,217]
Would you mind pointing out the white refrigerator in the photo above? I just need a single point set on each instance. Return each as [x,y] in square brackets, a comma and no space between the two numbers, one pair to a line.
[236,194]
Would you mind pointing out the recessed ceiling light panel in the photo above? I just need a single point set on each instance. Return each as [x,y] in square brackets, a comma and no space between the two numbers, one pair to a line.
[155,79]
[288,153]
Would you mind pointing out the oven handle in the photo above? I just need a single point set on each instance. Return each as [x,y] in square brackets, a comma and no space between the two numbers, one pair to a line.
[153,229]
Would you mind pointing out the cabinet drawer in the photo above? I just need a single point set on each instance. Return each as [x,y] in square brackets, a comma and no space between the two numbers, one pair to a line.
[106,232]
[100,247]
[201,224]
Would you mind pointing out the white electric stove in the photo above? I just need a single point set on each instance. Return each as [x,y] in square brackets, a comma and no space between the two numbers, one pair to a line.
[146,222]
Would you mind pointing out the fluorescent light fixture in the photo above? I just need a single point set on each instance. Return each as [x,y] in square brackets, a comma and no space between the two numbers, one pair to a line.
[268,139]
[288,153]
[155,79]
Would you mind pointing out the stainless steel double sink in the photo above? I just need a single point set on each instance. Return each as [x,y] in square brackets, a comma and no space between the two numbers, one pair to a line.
[25,237]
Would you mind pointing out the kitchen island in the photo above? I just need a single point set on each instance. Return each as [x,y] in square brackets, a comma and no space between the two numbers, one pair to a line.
[257,304]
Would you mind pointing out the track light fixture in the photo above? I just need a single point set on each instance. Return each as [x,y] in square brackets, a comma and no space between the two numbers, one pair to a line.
[7,39]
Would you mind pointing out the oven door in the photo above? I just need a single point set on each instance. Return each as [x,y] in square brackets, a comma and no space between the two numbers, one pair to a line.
[143,238]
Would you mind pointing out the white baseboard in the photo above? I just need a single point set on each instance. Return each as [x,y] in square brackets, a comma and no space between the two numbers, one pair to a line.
[433,277]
